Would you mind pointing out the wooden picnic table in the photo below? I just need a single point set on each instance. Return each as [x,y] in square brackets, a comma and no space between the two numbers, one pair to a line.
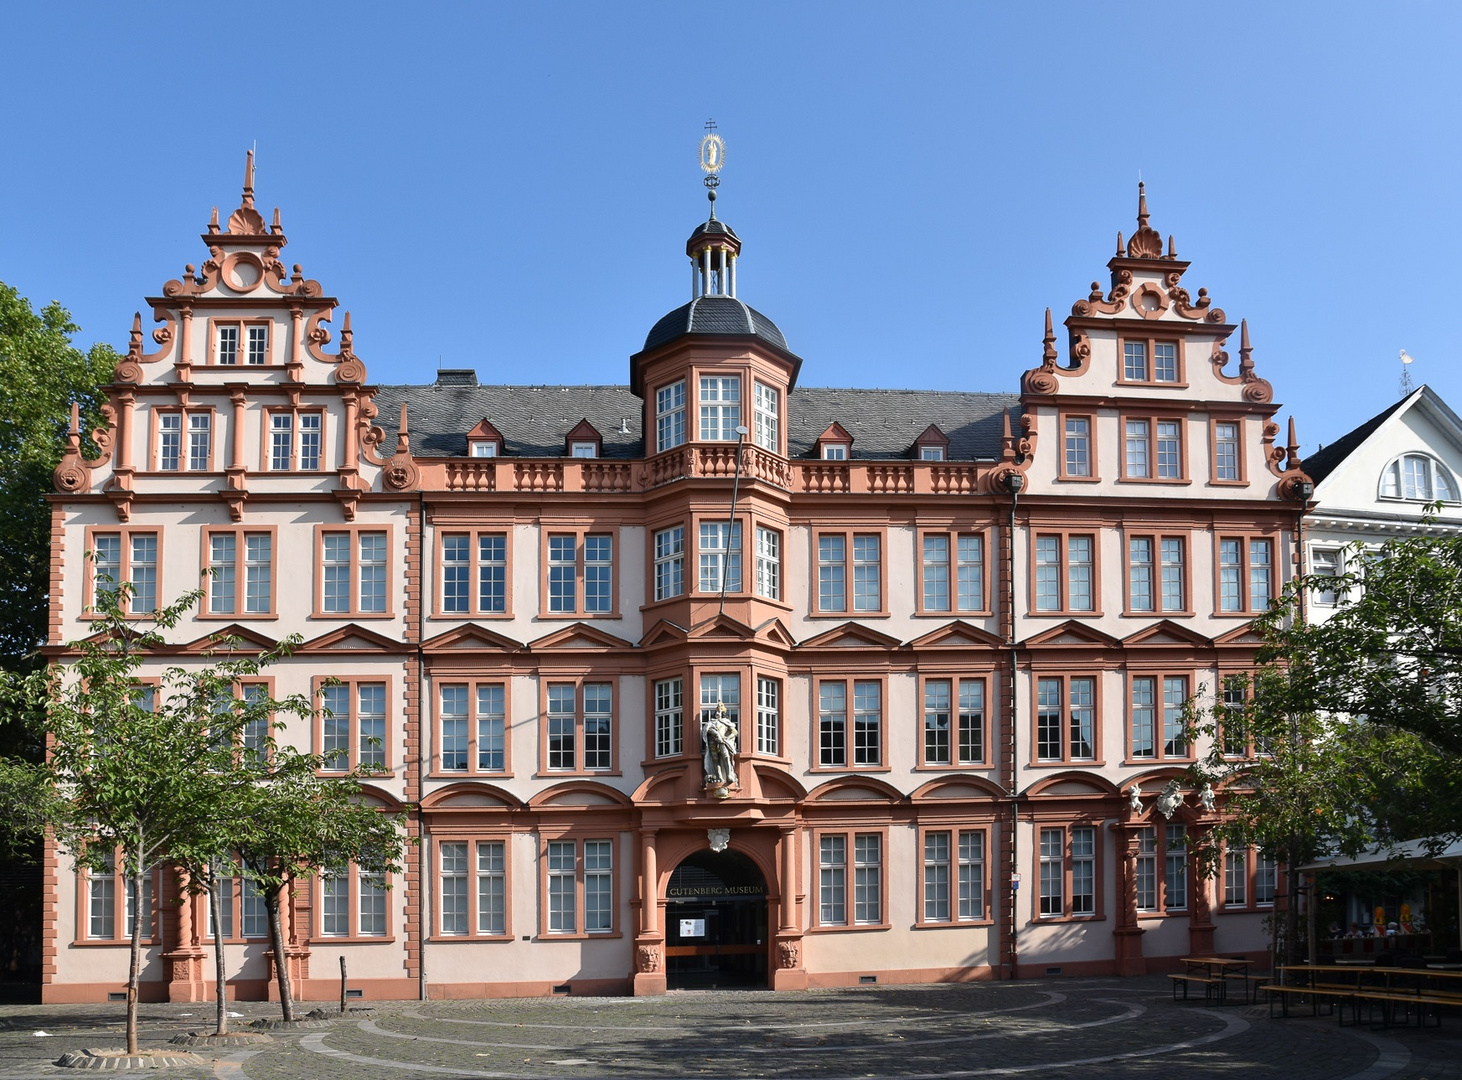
[1422,990]
[1214,973]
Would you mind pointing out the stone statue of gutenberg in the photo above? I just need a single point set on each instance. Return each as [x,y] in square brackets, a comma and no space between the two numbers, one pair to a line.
[720,743]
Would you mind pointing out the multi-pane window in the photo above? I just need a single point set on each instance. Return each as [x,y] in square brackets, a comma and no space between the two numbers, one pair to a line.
[353,725]
[474,573]
[768,563]
[1266,879]
[103,886]
[1138,448]
[867,878]
[721,689]
[768,716]
[1226,450]
[1162,849]
[670,562]
[1065,573]
[720,568]
[257,338]
[1236,878]
[568,865]
[465,910]
[1235,732]
[954,876]
[669,717]
[472,721]
[1169,450]
[1325,567]
[835,568]
[1078,446]
[766,412]
[126,556]
[669,416]
[1165,361]
[353,573]
[243,909]
[720,405]
[1053,873]
[931,453]
[832,880]
[834,451]
[170,450]
[964,582]
[1147,740]
[482,448]
[575,560]
[1134,361]
[1245,574]
[832,571]
[584,449]
[283,446]
[352,912]
[226,574]
[1066,719]
[1067,870]
[954,731]
[1419,478]
[834,750]
[228,344]
[580,726]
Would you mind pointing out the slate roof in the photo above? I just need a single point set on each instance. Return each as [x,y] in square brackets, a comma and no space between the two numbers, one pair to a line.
[717,316]
[534,420]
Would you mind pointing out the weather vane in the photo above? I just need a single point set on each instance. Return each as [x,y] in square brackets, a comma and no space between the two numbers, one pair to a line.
[1406,361]
[713,157]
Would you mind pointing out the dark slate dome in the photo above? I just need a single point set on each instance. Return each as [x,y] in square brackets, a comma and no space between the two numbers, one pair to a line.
[715,316]
[713,228]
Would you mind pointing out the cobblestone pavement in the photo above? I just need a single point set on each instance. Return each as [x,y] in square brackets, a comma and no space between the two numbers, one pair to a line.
[1048,1028]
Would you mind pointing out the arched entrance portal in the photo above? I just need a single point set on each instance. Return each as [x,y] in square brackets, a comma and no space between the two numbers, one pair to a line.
[716,923]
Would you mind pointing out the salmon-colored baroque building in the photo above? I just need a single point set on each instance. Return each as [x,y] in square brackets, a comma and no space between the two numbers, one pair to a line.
[708,678]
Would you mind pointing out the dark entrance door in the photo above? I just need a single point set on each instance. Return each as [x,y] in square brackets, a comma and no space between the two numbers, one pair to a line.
[716,923]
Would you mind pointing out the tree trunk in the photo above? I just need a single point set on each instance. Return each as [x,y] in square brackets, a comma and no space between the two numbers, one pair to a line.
[134,967]
[276,943]
[215,903]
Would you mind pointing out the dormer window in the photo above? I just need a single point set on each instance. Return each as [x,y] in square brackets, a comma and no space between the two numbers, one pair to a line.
[931,445]
[484,440]
[1418,478]
[835,444]
[584,441]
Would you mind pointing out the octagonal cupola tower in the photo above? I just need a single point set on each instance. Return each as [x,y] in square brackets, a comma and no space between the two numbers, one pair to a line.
[714,368]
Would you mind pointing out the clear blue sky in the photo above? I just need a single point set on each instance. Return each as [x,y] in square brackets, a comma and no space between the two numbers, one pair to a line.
[509,187]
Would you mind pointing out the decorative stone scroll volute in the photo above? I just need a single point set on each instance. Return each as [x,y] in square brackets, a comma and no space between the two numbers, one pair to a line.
[72,474]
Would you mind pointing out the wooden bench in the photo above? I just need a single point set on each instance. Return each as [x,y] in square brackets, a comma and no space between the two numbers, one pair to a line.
[1214,986]
[1422,1002]
[1329,993]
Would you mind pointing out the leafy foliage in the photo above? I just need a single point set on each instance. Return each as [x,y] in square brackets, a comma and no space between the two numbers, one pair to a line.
[41,374]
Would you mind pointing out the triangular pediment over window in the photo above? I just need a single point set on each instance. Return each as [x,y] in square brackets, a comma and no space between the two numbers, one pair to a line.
[957,635]
[578,636]
[664,632]
[851,635]
[1166,633]
[471,638]
[248,640]
[352,639]
[1240,635]
[722,626]
[1071,633]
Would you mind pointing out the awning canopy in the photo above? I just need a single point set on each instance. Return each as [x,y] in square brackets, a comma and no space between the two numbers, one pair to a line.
[1428,853]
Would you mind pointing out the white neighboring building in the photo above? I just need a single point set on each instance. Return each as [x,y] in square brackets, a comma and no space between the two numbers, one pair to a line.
[1377,482]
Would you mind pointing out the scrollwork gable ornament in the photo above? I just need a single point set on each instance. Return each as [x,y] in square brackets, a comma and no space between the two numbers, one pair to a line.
[72,474]
[399,473]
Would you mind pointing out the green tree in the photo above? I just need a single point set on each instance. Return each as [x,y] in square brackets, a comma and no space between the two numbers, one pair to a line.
[136,774]
[41,375]
[297,824]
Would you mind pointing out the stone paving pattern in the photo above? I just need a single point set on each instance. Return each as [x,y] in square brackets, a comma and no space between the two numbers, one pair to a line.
[1047,1028]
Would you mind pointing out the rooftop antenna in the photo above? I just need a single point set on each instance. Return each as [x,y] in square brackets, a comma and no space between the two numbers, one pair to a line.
[713,158]
[1406,361]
